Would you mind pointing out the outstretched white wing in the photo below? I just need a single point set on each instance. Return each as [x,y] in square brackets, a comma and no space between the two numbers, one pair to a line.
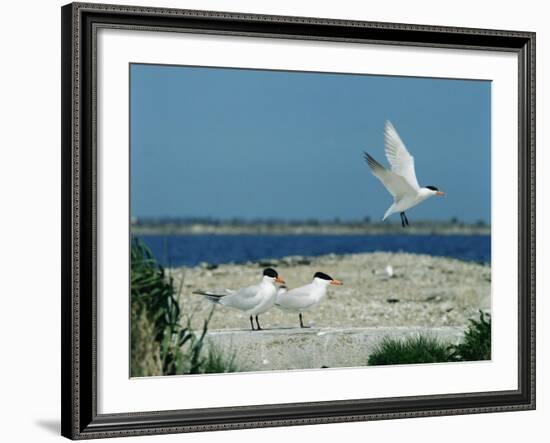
[394,183]
[402,163]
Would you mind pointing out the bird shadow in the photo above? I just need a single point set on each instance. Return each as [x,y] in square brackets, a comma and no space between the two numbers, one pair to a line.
[52,426]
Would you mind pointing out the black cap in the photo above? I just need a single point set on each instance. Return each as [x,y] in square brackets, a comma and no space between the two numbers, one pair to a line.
[322,276]
[433,188]
[270,272]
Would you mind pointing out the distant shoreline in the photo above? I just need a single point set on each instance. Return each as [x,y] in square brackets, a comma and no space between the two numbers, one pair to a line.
[416,228]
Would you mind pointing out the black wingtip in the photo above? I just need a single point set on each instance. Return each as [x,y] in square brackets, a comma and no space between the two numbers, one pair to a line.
[207,294]
[371,161]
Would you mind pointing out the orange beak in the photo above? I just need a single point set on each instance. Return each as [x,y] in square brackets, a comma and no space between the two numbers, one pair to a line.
[439,193]
[279,280]
[336,282]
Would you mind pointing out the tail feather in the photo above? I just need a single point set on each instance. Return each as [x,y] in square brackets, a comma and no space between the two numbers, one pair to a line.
[213,298]
[388,213]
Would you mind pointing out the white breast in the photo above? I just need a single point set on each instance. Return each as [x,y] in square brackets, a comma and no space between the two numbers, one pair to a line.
[265,299]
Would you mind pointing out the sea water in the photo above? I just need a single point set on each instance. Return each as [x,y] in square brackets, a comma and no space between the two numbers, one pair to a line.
[191,250]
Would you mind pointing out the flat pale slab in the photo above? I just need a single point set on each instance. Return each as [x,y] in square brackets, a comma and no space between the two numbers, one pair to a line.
[314,348]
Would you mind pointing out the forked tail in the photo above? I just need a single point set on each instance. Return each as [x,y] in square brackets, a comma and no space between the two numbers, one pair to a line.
[388,212]
[212,298]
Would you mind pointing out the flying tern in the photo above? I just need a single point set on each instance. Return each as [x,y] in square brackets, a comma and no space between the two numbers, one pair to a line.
[305,297]
[252,300]
[400,180]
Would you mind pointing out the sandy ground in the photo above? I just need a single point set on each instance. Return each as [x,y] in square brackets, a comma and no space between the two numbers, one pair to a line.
[423,291]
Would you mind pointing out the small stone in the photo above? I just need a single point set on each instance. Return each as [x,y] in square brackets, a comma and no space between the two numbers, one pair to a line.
[433,298]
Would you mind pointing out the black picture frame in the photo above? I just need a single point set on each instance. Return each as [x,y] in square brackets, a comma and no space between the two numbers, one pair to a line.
[79,178]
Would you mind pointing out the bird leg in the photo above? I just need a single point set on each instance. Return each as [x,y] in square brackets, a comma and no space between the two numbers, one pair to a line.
[258,323]
[301,322]
[404,219]
[251,323]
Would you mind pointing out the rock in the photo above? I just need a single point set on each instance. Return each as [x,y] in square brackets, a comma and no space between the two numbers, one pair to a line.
[436,298]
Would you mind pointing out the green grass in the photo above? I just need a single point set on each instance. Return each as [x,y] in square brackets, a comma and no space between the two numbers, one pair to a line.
[217,362]
[475,345]
[160,344]
[417,349]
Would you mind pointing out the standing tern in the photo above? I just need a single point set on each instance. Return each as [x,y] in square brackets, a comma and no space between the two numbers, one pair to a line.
[305,297]
[400,180]
[253,300]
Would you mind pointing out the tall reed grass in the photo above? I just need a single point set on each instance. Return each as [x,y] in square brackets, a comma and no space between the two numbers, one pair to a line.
[162,339]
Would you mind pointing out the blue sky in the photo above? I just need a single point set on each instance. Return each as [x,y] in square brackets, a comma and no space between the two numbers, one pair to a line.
[224,143]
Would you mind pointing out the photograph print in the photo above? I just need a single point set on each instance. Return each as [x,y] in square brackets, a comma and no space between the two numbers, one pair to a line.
[288,220]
